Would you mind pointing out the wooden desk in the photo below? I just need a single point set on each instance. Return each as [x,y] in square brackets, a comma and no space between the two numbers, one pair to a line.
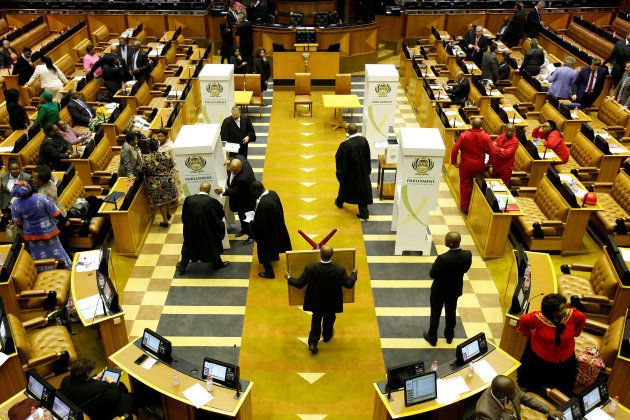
[340,102]
[243,97]
[543,281]
[571,126]
[111,328]
[502,362]
[386,190]
[514,117]
[539,167]
[321,65]
[175,405]
[472,68]
[618,378]
[609,167]
[130,226]
[161,118]
[489,229]
[449,134]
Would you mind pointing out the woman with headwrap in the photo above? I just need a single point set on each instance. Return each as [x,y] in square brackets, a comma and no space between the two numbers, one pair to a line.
[35,214]
[549,357]
[48,111]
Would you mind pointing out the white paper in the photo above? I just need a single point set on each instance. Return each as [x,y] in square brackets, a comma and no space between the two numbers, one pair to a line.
[497,186]
[197,395]
[625,253]
[249,216]
[485,371]
[149,363]
[380,145]
[445,393]
[547,154]
[90,307]
[232,147]
[6,149]
[616,150]
[458,384]
[597,414]
[88,261]
[3,358]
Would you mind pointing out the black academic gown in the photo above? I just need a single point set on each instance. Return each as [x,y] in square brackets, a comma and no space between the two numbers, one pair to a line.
[238,189]
[204,230]
[353,171]
[231,133]
[269,229]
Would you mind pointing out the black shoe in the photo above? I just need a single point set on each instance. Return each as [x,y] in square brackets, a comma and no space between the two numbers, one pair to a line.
[363,216]
[179,269]
[222,265]
[266,275]
[248,241]
[449,340]
[241,233]
[339,203]
[433,342]
[313,348]
[327,339]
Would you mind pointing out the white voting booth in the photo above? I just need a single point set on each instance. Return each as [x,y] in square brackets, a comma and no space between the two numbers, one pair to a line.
[216,86]
[199,157]
[379,105]
[418,178]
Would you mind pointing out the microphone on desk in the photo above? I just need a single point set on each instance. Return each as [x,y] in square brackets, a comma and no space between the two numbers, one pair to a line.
[544,155]
[526,309]
[238,375]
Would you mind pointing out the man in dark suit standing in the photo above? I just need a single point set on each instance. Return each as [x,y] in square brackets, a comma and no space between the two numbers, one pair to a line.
[478,46]
[515,29]
[534,21]
[139,62]
[460,90]
[353,172]
[618,58]
[239,192]
[257,13]
[80,111]
[324,296]
[204,230]
[7,181]
[238,129]
[447,273]
[268,228]
[232,16]
[124,50]
[24,67]
[589,83]
[246,41]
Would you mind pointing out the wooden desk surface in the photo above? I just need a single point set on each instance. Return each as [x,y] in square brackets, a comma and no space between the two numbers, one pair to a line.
[383,165]
[472,68]
[243,97]
[321,64]
[167,36]
[341,101]
[122,185]
[543,281]
[514,117]
[160,378]
[161,118]
[570,178]
[502,362]
[455,120]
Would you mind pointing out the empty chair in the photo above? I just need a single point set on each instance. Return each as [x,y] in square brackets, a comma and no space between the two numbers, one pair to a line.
[334,47]
[296,19]
[321,19]
[277,47]
[239,82]
[303,92]
[333,18]
[343,86]
[253,84]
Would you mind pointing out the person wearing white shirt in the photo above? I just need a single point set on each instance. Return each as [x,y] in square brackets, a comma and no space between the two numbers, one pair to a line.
[51,79]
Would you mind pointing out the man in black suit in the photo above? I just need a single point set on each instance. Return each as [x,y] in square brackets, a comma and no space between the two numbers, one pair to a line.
[139,62]
[204,230]
[353,172]
[239,192]
[324,296]
[246,41]
[124,50]
[54,149]
[589,83]
[618,58]
[24,67]
[257,13]
[238,129]
[232,16]
[515,29]
[447,273]
[7,181]
[478,46]
[534,22]
[459,91]
[268,228]
[80,111]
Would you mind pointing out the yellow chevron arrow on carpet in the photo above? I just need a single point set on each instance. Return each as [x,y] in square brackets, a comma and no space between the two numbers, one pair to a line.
[311,378]
[308,217]
[312,416]
[307,169]
[308,199]
[307,133]
[306,144]
[306,124]
[307,157]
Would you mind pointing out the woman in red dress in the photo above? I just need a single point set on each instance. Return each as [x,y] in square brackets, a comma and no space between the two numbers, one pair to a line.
[549,358]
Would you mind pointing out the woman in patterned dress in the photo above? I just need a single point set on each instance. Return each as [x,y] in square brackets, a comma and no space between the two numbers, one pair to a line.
[35,214]
[166,146]
[158,169]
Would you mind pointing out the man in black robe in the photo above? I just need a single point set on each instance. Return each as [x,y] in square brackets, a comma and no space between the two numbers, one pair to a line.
[324,296]
[238,129]
[516,28]
[246,41]
[353,172]
[204,230]
[268,228]
[239,192]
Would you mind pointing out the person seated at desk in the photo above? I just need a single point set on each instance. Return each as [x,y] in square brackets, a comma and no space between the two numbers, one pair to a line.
[69,134]
[553,139]
[54,149]
[240,66]
[503,400]
[42,183]
[549,357]
[99,399]
[534,58]
[48,111]
[459,91]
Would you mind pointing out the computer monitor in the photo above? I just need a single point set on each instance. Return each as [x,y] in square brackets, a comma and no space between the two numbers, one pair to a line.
[156,345]
[109,294]
[471,349]
[222,373]
[571,410]
[38,389]
[63,409]
[6,339]
[492,200]
[420,388]
[588,131]
[602,144]
[554,177]
[397,375]
[593,397]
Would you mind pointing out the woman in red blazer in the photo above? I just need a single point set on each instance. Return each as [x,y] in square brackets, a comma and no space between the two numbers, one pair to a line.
[549,358]
[553,139]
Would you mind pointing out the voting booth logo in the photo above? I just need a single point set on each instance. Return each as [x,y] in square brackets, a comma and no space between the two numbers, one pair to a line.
[195,163]
[214,89]
[422,165]
[383,89]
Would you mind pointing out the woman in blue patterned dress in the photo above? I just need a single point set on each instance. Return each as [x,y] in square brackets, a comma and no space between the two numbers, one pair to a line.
[35,214]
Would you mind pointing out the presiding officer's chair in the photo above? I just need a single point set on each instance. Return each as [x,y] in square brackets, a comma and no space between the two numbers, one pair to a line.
[42,349]
[303,92]
[343,86]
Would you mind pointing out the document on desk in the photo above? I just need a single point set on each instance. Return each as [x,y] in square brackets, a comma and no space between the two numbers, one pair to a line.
[448,390]
[249,216]
[197,395]
[88,261]
[90,307]
[3,358]
[149,363]
[598,414]
[625,254]
[485,371]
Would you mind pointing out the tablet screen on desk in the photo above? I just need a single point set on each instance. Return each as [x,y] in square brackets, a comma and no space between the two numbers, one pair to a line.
[217,372]
[151,342]
[471,350]
[35,388]
[591,399]
[420,388]
[111,375]
[60,408]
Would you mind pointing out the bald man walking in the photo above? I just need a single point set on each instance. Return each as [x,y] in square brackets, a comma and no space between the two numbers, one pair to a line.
[239,192]
[447,273]
[324,296]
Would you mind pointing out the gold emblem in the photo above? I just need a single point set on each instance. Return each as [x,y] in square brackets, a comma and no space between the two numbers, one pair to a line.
[195,163]
[383,89]
[214,89]
[422,165]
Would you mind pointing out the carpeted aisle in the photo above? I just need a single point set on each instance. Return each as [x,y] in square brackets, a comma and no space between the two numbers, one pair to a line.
[289,381]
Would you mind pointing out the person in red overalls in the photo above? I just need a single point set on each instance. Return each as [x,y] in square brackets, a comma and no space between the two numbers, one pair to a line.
[474,145]
[549,132]
[502,160]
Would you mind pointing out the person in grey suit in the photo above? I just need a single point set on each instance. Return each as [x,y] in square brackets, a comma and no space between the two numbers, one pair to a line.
[490,64]
[503,400]
[7,180]
[124,50]
[129,158]
[622,91]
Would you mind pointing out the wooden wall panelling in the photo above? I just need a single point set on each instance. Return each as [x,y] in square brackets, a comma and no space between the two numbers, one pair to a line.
[328,37]
[597,18]
[20,19]
[494,21]
[302,7]
[420,25]
[556,20]
[363,41]
[265,37]
[67,47]
[58,22]
[115,23]
[193,26]
[154,25]
[457,24]
[390,27]
[213,28]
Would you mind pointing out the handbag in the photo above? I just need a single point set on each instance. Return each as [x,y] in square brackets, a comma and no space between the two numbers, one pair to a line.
[13,231]
[589,365]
